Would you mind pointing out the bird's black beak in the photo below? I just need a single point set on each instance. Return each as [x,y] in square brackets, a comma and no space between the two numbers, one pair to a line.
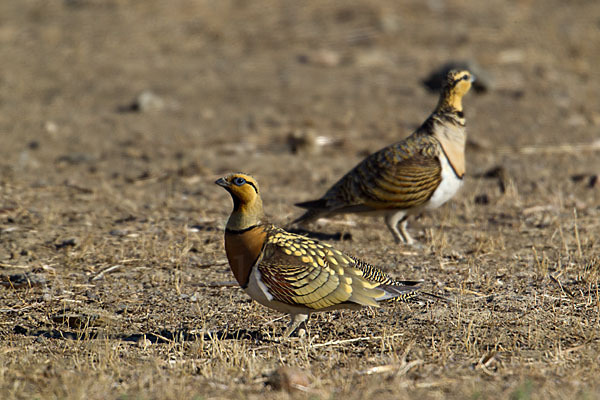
[222,182]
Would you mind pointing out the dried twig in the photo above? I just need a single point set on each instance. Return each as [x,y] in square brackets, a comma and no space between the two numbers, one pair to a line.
[101,274]
[5,265]
[466,291]
[213,264]
[486,361]
[402,369]
[564,289]
[359,339]
[9,310]
[218,284]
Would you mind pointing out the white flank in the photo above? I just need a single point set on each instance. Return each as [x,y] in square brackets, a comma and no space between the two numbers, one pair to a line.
[448,186]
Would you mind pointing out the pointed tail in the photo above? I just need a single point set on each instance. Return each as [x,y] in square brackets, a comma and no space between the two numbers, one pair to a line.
[315,210]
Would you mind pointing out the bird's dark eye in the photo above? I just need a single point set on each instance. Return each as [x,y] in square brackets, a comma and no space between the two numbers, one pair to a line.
[465,77]
[239,181]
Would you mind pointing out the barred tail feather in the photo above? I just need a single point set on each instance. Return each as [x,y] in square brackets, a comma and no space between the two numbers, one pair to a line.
[402,293]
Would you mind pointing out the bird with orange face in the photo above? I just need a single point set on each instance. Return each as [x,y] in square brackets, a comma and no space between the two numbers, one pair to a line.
[295,274]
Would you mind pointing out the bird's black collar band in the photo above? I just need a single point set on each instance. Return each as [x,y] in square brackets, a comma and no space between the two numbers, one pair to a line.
[240,231]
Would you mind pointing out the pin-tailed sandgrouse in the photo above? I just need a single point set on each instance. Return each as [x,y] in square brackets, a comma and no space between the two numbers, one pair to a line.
[295,274]
[419,173]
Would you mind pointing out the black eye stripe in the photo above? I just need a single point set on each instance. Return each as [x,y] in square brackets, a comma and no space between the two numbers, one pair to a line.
[456,81]
[252,184]
[239,181]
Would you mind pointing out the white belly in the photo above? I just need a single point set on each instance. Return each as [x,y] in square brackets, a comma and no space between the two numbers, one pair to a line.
[448,186]
[259,292]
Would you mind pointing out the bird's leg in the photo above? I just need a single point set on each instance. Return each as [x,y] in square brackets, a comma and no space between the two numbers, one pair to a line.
[405,235]
[391,220]
[297,319]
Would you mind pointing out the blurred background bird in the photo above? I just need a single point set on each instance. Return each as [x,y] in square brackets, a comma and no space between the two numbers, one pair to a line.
[419,173]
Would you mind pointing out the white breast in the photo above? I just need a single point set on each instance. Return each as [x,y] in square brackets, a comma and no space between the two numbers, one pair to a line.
[448,186]
[257,289]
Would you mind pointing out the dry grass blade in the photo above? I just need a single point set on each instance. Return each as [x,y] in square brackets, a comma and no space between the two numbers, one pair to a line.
[105,271]
[353,340]
[20,309]
[464,291]
[486,362]
[564,289]
[400,369]
[218,284]
[6,265]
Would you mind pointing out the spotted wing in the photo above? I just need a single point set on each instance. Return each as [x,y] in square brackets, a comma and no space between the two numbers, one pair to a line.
[301,271]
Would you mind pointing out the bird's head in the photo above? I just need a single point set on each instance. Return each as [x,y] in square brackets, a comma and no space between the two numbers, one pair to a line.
[456,85]
[247,204]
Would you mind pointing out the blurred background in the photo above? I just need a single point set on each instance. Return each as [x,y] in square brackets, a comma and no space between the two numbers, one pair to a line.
[86,81]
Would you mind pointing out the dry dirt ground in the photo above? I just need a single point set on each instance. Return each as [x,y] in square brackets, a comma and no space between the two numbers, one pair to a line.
[113,273]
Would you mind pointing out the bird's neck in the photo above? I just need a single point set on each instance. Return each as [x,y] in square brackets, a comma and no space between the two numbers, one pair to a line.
[450,100]
[449,109]
[245,215]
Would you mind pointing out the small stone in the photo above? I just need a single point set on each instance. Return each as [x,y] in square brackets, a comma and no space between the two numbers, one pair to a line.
[25,280]
[75,158]
[321,58]
[302,141]
[591,180]
[149,101]
[143,342]
[289,379]
[372,58]
[482,199]
[66,243]
[146,101]
[27,161]
[50,127]
[307,141]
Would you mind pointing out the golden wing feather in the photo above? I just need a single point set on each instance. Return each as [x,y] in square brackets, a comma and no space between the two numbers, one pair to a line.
[299,270]
[403,175]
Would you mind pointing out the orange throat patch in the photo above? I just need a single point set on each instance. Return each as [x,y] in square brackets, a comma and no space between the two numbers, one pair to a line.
[243,250]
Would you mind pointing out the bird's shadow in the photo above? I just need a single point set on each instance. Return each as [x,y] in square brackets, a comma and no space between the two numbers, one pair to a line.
[163,336]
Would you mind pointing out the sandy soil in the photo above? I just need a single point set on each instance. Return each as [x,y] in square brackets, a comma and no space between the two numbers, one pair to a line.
[116,117]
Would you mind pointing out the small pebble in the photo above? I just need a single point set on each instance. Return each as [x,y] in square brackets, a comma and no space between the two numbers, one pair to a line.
[66,243]
[289,379]
[146,101]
